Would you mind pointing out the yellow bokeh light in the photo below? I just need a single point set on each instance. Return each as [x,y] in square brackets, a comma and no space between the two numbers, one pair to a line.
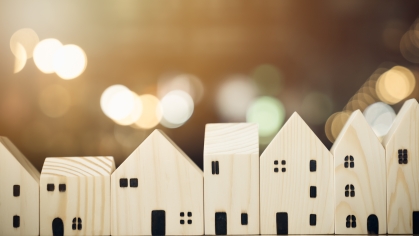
[152,112]
[20,59]
[44,53]
[339,120]
[135,113]
[185,82]
[54,101]
[395,85]
[69,61]
[177,107]
[27,38]
[118,102]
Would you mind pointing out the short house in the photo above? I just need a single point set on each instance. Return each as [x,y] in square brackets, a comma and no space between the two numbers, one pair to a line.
[296,183]
[360,179]
[19,192]
[231,176]
[402,157]
[157,190]
[76,196]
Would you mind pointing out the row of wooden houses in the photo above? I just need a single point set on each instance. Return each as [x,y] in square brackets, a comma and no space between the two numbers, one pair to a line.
[297,186]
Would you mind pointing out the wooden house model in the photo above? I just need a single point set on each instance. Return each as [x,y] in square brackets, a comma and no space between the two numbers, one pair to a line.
[360,179]
[402,158]
[75,196]
[296,183]
[157,190]
[19,192]
[231,176]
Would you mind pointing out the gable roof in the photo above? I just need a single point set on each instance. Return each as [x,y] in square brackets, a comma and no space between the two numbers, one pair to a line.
[358,123]
[24,162]
[231,138]
[408,109]
[78,166]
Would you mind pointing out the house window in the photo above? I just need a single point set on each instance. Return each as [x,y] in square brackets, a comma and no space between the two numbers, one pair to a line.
[50,187]
[16,221]
[16,190]
[313,191]
[313,165]
[183,220]
[349,162]
[276,167]
[350,221]
[313,219]
[133,183]
[403,156]
[123,182]
[62,187]
[349,190]
[215,168]
[244,217]
[77,224]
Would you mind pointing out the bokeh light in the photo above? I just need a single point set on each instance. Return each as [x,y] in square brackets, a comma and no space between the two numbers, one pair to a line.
[20,59]
[234,97]
[268,79]
[177,107]
[316,107]
[152,112]
[409,45]
[69,61]
[335,123]
[43,54]
[27,38]
[395,85]
[135,113]
[54,101]
[268,113]
[117,102]
[380,117]
[188,83]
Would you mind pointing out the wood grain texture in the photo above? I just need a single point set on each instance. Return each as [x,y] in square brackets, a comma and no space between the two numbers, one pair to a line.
[15,169]
[235,190]
[87,195]
[289,191]
[368,176]
[403,179]
[168,180]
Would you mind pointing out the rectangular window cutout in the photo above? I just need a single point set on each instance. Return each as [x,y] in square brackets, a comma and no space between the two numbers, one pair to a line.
[244,218]
[313,165]
[213,167]
[62,187]
[313,191]
[16,190]
[50,187]
[133,183]
[281,223]
[217,168]
[158,222]
[123,182]
[415,222]
[220,223]
[16,221]
[313,219]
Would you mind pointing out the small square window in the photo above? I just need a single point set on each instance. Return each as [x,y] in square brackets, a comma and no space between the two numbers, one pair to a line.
[313,165]
[182,214]
[133,183]
[16,190]
[276,162]
[123,182]
[283,162]
[50,187]
[283,169]
[189,214]
[62,187]
[182,222]
[189,222]
[276,170]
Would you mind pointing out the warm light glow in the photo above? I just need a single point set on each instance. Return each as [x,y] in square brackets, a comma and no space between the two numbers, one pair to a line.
[25,37]
[43,54]
[54,101]
[117,102]
[20,59]
[395,85]
[177,107]
[268,113]
[339,120]
[69,61]
[316,107]
[380,116]
[185,82]
[152,112]
[268,79]
[134,115]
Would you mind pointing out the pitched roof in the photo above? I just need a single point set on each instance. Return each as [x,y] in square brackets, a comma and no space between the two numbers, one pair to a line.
[78,166]
[24,162]
[231,138]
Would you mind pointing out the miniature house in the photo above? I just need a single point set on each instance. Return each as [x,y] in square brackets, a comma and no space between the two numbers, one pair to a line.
[402,158]
[231,176]
[360,179]
[296,183]
[19,192]
[76,196]
[157,190]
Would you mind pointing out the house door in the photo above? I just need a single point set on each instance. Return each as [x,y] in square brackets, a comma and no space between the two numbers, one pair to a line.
[158,222]
[415,222]
[220,223]
[281,223]
[57,227]
[372,224]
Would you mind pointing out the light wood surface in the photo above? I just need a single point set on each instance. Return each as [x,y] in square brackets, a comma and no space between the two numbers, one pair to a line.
[368,176]
[403,179]
[289,191]
[235,190]
[87,195]
[167,180]
[15,169]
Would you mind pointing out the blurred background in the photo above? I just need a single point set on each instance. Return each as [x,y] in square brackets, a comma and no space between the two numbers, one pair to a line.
[89,78]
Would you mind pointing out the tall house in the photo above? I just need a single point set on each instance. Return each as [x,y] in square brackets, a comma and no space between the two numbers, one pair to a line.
[402,158]
[231,177]
[296,183]
[19,192]
[360,179]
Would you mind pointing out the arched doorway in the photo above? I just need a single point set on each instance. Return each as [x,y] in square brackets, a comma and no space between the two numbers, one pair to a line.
[57,227]
[372,224]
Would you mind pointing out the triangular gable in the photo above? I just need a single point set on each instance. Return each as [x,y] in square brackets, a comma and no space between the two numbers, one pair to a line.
[24,162]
